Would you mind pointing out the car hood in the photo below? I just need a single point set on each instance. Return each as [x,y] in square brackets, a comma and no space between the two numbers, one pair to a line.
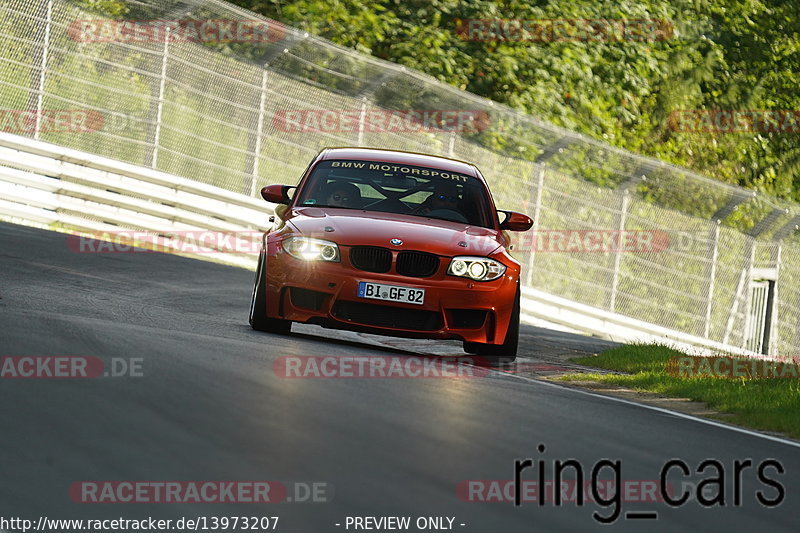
[364,228]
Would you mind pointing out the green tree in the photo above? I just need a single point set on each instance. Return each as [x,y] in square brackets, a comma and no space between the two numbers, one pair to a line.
[726,54]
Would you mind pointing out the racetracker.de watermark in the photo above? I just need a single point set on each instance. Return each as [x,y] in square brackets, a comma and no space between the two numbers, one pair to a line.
[180,492]
[731,367]
[734,121]
[380,120]
[68,367]
[250,242]
[188,31]
[378,367]
[570,491]
[187,242]
[177,492]
[564,30]
[592,241]
[21,121]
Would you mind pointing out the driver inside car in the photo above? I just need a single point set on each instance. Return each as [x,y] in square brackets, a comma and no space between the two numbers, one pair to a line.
[341,194]
[444,196]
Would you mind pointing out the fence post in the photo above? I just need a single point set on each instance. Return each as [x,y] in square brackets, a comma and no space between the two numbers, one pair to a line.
[362,116]
[451,144]
[262,105]
[748,294]
[618,255]
[540,169]
[43,74]
[712,279]
[161,88]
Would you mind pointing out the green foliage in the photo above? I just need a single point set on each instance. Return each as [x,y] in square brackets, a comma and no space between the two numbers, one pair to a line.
[108,8]
[727,54]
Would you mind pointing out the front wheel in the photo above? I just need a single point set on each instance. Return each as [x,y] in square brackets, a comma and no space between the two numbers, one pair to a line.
[259,320]
[499,354]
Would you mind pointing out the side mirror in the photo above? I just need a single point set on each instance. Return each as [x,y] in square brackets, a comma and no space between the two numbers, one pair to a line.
[516,221]
[277,194]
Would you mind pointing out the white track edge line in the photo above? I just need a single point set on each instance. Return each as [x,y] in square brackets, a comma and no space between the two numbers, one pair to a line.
[658,409]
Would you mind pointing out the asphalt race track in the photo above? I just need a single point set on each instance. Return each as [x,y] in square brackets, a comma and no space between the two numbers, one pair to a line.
[209,406]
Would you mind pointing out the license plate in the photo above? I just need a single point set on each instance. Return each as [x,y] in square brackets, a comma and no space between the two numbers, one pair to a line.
[391,293]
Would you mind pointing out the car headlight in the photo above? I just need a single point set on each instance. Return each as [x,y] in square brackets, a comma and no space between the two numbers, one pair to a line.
[307,249]
[477,268]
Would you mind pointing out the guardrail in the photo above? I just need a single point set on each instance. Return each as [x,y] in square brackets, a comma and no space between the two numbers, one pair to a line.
[65,189]
[540,306]
[62,188]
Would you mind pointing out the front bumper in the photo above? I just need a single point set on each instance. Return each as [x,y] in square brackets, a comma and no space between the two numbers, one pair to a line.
[327,294]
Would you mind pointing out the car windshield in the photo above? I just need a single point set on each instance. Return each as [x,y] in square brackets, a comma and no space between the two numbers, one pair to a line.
[395,188]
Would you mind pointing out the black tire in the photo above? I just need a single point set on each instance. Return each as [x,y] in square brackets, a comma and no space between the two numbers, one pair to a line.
[258,304]
[500,354]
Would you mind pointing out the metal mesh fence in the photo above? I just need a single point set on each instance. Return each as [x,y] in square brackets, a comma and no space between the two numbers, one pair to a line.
[613,230]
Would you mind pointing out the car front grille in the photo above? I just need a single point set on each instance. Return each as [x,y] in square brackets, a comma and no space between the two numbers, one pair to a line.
[371,258]
[417,264]
[387,317]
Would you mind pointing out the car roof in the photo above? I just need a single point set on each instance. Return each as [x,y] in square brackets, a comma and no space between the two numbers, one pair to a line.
[400,157]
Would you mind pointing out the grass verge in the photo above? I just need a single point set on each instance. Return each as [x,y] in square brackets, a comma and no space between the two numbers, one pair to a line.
[762,403]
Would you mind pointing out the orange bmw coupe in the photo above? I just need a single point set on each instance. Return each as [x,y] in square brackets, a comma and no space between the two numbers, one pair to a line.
[392,243]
